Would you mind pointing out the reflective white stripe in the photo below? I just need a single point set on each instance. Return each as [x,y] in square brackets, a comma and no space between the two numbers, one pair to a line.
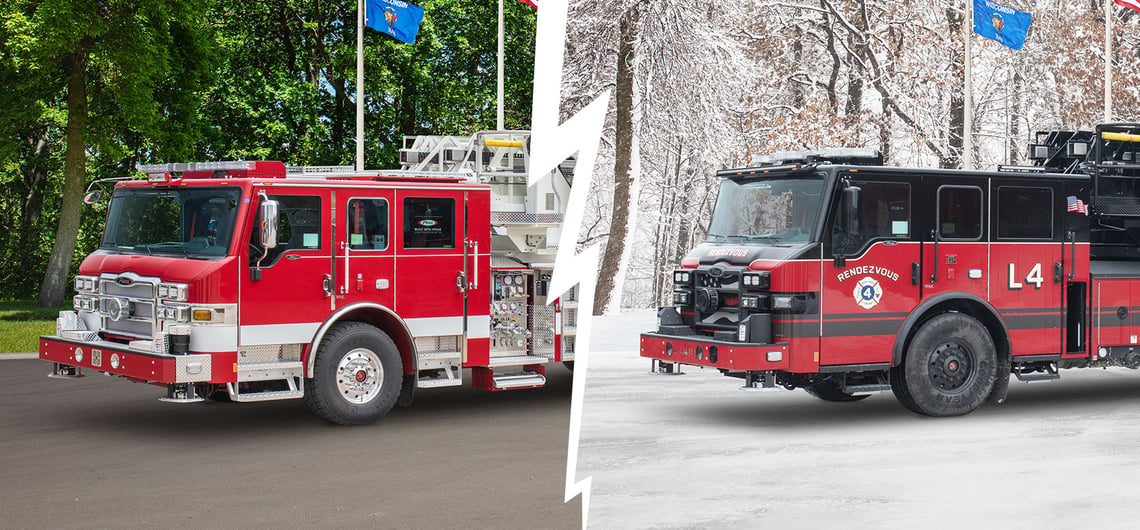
[213,338]
[432,326]
[278,333]
[479,327]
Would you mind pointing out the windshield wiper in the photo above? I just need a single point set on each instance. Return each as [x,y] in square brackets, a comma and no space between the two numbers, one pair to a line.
[167,244]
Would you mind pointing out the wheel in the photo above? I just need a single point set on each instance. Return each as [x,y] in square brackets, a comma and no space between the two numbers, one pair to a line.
[829,391]
[356,376]
[569,365]
[949,368]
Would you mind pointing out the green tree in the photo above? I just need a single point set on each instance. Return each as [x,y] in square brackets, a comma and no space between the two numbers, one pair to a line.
[129,72]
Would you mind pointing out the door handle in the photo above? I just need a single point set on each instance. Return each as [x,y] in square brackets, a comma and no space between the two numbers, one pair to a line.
[934,270]
[460,281]
[1058,272]
[915,274]
[327,284]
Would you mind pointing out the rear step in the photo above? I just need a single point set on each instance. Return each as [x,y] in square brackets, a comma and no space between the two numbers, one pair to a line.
[530,376]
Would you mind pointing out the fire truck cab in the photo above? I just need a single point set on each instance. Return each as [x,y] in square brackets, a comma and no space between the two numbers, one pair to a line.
[254,281]
[829,272]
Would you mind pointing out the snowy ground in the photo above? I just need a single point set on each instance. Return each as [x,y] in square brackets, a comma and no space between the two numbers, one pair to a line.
[695,451]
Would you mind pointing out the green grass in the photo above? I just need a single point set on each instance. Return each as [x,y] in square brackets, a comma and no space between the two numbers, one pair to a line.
[22,323]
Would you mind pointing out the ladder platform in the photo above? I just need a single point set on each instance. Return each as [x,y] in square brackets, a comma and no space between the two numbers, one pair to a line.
[517,360]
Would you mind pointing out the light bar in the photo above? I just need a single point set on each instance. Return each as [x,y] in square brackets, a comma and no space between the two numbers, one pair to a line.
[238,165]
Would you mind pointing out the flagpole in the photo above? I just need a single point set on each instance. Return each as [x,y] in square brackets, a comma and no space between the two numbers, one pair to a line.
[360,85]
[1107,61]
[968,89]
[499,108]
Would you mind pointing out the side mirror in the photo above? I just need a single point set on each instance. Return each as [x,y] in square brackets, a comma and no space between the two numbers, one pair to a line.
[851,210]
[267,219]
[93,197]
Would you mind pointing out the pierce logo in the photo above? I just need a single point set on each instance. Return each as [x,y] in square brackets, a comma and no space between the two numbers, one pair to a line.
[428,222]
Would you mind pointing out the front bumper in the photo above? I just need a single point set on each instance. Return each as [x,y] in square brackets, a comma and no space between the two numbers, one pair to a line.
[153,367]
[703,351]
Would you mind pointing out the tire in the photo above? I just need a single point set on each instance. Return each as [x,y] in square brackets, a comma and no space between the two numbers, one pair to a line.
[949,368]
[356,377]
[830,391]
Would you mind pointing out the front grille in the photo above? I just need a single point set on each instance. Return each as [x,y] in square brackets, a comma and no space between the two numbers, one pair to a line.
[717,297]
[138,292]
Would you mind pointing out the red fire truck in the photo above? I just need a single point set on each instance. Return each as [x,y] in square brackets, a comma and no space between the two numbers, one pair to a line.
[254,281]
[829,272]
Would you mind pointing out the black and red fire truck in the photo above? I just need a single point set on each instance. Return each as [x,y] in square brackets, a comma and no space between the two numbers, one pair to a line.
[253,281]
[830,272]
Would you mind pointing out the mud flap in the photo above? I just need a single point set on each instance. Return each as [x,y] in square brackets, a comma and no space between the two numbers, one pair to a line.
[407,390]
[1001,382]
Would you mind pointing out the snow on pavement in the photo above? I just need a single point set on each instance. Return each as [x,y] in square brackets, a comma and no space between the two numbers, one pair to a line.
[695,451]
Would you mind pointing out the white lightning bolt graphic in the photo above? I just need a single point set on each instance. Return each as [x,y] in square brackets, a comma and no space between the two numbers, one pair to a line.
[552,143]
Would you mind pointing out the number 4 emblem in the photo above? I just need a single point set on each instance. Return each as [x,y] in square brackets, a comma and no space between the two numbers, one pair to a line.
[1034,277]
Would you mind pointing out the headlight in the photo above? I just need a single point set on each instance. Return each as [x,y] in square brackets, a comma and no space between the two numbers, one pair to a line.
[84,303]
[758,280]
[176,292]
[682,276]
[176,313]
[682,298]
[86,284]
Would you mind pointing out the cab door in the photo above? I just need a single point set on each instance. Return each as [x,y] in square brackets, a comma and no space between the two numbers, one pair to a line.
[286,301]
[367,265]
[956,244]
[430,264]
[870,272]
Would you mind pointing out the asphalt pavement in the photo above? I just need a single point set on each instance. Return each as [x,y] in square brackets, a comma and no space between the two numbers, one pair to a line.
[102,452]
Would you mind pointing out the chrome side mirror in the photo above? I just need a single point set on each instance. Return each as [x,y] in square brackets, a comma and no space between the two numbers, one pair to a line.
[267,220]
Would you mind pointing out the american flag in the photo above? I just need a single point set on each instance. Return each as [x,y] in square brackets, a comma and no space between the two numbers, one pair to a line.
[1130,4]
[1077,205]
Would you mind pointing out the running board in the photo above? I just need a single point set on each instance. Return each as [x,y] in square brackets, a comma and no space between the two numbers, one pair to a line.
[1049,373]
[296,390]
[439,369]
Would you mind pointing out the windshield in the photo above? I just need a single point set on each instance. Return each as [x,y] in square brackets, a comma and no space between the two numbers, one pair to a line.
[773,210]
[185,221]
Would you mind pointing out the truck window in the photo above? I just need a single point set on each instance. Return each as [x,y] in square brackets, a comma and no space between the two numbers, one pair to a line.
[884,213]
[1024,212]
[299,228]
[367,224]
[429,222]
[960,212]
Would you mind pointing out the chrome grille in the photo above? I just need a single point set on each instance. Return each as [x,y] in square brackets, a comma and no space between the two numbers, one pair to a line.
[138,292]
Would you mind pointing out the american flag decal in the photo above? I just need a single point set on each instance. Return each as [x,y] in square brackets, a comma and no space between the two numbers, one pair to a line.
[1077,205]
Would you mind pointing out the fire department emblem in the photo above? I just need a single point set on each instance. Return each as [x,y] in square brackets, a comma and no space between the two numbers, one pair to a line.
[868,293]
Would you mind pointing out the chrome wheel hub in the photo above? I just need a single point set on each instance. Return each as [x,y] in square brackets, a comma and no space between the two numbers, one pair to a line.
[359,376]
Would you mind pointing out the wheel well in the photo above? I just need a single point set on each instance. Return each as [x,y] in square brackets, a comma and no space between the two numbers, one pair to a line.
[976,308]
[379,317]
